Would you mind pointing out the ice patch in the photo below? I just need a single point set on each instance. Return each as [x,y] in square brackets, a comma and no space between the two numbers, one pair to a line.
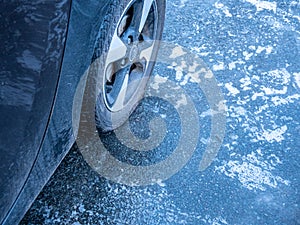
[220,66]
[263,5]
[176,52]
[214,221]
[233,90]
[157,81]
[247,55]
[245,83]
[232,65]
[182,3]
[237,112]
[252,47]
[272,91]
[178,69]
[279,78]
[160,183]
[283,101]
[257,94]
[282,75]
[297,79]
[272,135]
[181,101]
[268,49]
[254,171]
[81,208]
[194,72]
[224,9]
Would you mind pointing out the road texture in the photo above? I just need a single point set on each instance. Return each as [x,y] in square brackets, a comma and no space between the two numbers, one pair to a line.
[252,48]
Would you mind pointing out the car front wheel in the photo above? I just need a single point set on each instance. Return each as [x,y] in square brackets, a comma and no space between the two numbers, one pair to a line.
[129,41]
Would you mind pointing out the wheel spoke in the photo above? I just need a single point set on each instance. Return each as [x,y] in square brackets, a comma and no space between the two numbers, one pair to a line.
[120,98]
[117,51]
[145,12]
[146,52]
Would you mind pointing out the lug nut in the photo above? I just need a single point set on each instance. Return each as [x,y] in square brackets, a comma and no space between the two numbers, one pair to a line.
[123,62]
[129,40]
[141,38]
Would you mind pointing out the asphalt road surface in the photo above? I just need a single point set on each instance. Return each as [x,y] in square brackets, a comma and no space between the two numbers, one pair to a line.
[252,49]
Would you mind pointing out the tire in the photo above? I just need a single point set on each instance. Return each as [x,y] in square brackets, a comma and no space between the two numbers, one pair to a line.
[122,81]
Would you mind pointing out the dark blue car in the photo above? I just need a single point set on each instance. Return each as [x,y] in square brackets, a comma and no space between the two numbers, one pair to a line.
[46,48]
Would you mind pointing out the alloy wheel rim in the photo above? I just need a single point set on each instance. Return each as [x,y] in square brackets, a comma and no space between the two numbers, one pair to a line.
[130,53]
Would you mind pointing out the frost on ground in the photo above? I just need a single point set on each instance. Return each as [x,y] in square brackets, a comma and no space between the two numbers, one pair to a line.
[253,103]
[254,171]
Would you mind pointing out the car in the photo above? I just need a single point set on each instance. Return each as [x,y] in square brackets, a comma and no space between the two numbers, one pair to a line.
[46,48]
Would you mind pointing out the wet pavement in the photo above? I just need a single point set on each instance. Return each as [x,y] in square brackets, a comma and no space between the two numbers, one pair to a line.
[252,48]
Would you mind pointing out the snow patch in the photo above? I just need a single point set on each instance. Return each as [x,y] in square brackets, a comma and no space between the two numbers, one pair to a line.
[182,3]
[182,101]
[272,91]
[233,90]
[254,171]
[224,9]
[283,101]
[232,65]
[268,49]
[176,52]
[220,66]
[257,94]
[297,79]
[281,74]
[247,55]
[245,83]
[157,81]
[264,5]
[273,135]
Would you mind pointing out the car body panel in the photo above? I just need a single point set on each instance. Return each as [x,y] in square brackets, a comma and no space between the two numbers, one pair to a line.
[84,25]
[33,38]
